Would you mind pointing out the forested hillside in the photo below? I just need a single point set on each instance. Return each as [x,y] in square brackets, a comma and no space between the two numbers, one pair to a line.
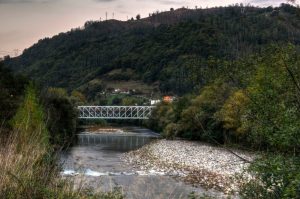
[236,71]
[174,52]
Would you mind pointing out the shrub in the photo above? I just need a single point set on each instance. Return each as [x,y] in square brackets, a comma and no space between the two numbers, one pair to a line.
[28,123]
[11,93]
[232,116]
[171,131]
[276,176]
[273,112]
[199,118]
[61,116]
[28,165]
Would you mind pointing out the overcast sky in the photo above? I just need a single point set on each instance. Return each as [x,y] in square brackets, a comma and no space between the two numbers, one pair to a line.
[24,22]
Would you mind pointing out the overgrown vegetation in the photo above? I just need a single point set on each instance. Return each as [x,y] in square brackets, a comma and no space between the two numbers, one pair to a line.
[11,89]
[236,70]
[28,164]
[179,51]
[61,115]
[257,108]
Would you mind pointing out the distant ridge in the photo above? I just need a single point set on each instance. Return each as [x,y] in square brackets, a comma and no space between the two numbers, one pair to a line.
[173,52]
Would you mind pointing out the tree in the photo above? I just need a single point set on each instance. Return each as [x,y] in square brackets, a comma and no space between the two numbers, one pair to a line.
[161,116]
[199,119]
[138,17]
[273,112]
[29,122]
[12,90]
[116,101]
[78,98]
[61,116]
[233,112]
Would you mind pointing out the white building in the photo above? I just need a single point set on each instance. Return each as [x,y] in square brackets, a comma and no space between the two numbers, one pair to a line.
[154,102]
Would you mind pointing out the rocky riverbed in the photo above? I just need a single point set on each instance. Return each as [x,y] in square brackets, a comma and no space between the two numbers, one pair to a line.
[96,162]
[195,163]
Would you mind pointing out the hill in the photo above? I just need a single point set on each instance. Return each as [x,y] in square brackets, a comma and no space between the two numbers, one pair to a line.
[171,52]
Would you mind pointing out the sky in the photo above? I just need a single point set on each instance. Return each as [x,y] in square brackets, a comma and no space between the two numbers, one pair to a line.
[24,22]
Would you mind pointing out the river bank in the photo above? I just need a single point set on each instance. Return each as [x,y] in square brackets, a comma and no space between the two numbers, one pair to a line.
[96,162]
[195,163]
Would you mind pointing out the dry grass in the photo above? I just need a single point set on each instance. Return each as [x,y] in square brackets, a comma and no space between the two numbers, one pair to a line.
[33,173]
[27,172]
[28,167]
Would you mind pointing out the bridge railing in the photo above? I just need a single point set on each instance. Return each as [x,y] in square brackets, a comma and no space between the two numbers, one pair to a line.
[115,112]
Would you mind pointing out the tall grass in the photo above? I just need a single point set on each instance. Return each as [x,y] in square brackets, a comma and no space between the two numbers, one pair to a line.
[28,167]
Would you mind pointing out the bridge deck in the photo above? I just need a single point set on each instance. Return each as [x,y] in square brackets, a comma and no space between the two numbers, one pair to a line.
[115,112]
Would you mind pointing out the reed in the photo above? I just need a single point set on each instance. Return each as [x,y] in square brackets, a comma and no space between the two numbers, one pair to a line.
[28,164]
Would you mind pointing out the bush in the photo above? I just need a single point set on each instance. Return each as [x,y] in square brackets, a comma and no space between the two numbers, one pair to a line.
[232,116]
[11,93]
[273,112]
[28,123]
[200,117]
[61,116]
[28,165]
[171,131]
[161,116]
[276,176]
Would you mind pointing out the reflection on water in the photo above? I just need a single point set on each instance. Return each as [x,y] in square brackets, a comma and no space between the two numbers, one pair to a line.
[117,142]
[96,162]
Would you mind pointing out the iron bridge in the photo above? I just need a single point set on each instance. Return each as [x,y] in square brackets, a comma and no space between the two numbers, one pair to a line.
[115,112]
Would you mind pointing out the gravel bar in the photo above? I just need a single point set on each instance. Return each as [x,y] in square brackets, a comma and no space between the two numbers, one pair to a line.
[195,163]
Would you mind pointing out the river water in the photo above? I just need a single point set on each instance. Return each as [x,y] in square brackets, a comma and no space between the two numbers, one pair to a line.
[96,162]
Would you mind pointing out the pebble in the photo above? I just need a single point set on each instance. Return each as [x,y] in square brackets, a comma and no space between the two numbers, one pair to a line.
[196,163]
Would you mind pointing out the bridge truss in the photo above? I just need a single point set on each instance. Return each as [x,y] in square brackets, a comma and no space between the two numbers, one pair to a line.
[115,112]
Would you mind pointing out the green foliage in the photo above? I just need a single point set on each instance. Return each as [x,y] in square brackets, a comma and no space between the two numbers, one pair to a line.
[11,92]
[273,112]
[258,107]
[131,101]
[61,115]
[25,160]
[78,98]
[276,176]
[28,123]
[28,166]
[249,89]
[273,119]
[91,89]
[199,118]
[181,50]
[233,113]
[171,130]
[161,116]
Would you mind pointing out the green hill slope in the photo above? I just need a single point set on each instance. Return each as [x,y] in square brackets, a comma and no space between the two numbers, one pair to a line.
[173,52]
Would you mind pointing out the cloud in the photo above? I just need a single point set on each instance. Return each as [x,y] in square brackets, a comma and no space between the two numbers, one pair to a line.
[23,1]
[266,2]
[171,2]
[104,1]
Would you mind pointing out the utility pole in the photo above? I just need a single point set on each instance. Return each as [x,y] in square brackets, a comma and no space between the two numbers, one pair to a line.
[113,15]
[106,15]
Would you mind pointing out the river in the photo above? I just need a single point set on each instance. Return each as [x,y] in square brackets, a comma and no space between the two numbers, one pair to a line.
[96,162]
